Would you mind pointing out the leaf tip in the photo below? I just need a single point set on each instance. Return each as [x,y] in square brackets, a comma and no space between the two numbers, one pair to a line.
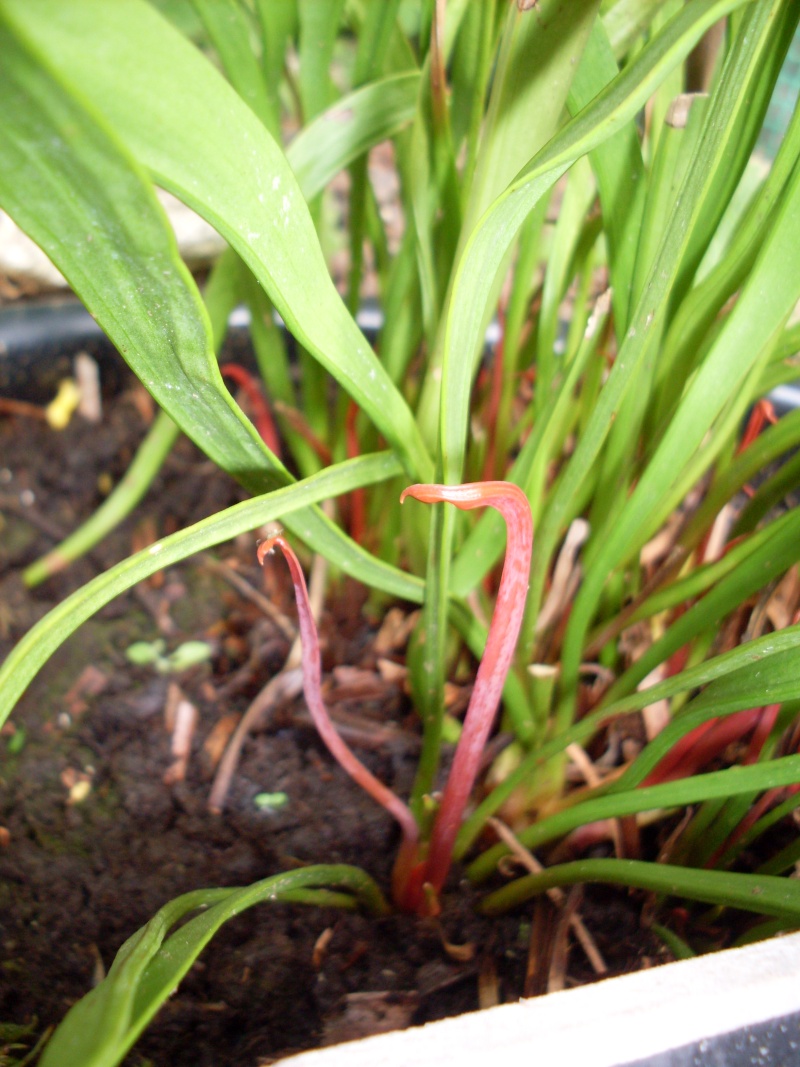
[266,548]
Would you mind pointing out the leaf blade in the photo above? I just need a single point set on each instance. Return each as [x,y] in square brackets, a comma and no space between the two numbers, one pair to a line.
[39,643]
[764,894]
[209,149]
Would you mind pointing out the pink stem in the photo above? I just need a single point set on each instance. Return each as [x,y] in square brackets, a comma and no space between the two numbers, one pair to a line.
[763,412]
[762,731]
[312,688]
[513,505]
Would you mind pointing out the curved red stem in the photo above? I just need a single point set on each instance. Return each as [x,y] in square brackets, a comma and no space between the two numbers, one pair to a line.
[312,689]
[501,641]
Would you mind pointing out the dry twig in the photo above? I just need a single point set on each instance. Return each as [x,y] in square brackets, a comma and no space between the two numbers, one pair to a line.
[556,895]
[245,589]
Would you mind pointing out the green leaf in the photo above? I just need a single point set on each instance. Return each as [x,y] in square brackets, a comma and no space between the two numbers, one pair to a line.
[728,783]
[619,170]
[316,155]
[758,48]
[189,654]
[319,26]
[771,494]
[578,198]
[770,446]
[626,20]
[377,37]
[209,149]
[95,214]
[484,545]
[278,22]
[751,892]
[745,338]
[679,948]
[536,60]
[674,154]
[492,238]
[156,446]
[105,1024]
[696,314]
[535,63]
[774,551]
[772,681]
[130,275]
[230,31]
[755,655]
[470,70]
[145,653]
[350,127]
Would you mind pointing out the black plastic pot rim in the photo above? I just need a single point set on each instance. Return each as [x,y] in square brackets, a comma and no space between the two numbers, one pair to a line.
[38,340]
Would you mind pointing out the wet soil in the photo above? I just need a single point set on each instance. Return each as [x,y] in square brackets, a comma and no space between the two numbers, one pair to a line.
[97,831]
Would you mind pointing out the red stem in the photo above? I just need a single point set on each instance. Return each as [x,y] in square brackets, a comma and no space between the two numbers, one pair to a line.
[763,412]
[697,748]
[312,688]
[762,731]
[417,882]
[296,420]
[501,641]
[261,413]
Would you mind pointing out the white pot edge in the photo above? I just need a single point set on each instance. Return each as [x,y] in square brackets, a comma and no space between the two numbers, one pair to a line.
[606,1024]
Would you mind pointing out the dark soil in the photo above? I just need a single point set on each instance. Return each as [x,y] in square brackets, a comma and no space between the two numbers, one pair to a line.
[94,841]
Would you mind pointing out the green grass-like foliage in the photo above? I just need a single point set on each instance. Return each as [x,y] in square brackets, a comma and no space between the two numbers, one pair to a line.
[102,1028]
[643,269]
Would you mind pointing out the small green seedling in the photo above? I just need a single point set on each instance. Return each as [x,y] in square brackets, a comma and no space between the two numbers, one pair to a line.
[151,654]
[16,742]
[270,801]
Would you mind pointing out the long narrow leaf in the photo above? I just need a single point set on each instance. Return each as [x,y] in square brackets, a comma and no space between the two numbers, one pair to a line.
[229,30]
[753,656]
[769,297]
[105,1024]
[776,550]
[40,642]
[536,60]
[347,129]
[210,150]
[751,892]
[94,212]
[497,229]
[155,448]
[619,170]
[316,156]
[728,783]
